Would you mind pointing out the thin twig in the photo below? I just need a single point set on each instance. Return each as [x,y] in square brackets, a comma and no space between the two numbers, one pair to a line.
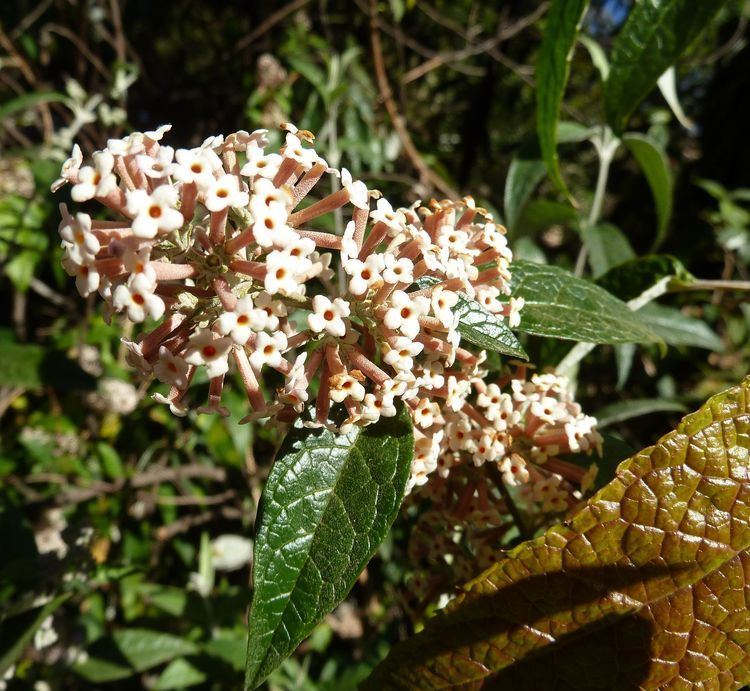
[396,118]
[269,23]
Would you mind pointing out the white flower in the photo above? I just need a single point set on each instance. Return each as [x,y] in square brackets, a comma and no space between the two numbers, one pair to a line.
[427,413]
[204,348]
[270,228]
[443,301]
[404,313]
[259,164]
[241,322]
[138,299]
[132,144]
[295,391]
[293,149]
[224,193]
[69,168]
[384,213]
[45,635]
[154,212]
[87,277]
[267,312]
[328,316]
[346,385]
[158,133]
[401,352]
[359,195]
[364,274]
[231,552]
[268,350]
[282,274]
[196,165]
[158,166]
[96,180]
[171,369]
[514,470]
[79,243]
[398,270]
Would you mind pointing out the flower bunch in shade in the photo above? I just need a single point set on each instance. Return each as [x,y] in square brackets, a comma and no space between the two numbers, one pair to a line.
[504,445]
[225,252]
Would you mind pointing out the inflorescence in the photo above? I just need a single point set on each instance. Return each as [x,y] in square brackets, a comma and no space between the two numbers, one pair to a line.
[220,249]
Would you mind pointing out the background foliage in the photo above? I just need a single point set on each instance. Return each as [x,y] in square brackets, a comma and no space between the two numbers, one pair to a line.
[111,508]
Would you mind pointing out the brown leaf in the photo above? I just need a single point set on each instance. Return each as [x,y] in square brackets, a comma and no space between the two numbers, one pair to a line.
[646,587]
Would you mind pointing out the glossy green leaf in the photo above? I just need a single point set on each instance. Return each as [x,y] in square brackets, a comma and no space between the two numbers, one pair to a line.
[678,329]
[560,305]
[626,410]
[655,34]
[328,503]
[607,246]
[655,166]
[631,278]
[481,327]
[552,70]
[645,587]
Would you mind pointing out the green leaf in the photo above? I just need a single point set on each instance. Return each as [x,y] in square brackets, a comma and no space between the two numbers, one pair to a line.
[481,327]
[552,70]
[597,54]
[560,305]
[541,214]
[655,34]
[143,648]
[32,367]
[525,173]
[607,246]
[18,631]
[653,162]
[677,329]
[328,503]
[230,649]
[631,278]
[179,674]
[625,410]
[100,670]
[645,587]
[27,101]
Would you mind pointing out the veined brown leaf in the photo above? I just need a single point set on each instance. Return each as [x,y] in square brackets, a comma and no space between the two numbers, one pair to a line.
[646,587]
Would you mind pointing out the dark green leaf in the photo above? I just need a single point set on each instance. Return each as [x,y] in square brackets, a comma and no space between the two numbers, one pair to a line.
[143,648]
[655,166]
[328,503]
[625,410]
[32,367]
[645,587]
[541,214]
[678,329]
[607,247]
[653,37]
[482,328]
[631,278]
[524,174]
[179,674]
[560,305]
[553,67]
[30,100]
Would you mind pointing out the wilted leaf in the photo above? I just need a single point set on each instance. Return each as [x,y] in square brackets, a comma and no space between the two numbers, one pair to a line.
[560,305]
[646,587]
[328,503]
[653,162]
[653,37]
[553,67]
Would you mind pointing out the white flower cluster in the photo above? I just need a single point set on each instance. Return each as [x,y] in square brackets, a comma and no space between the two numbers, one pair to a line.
[532,423]
[221,246]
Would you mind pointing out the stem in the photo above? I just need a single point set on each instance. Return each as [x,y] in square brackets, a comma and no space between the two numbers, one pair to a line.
[512,508]
[606,145]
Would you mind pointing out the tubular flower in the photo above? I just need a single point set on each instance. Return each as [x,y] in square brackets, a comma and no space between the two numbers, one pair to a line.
[216,247]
